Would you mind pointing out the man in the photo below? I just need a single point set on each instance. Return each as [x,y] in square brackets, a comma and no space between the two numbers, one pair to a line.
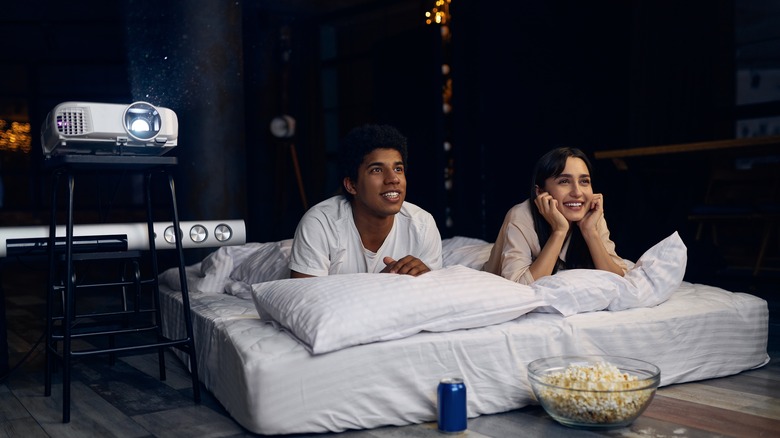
[369,228]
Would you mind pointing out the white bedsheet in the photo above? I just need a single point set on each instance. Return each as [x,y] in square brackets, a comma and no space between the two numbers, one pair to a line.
[271,384]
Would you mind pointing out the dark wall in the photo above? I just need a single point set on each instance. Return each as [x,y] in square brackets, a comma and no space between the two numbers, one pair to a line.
[53,55]
[681,90]
[526,77]
[556,75]
[279,57]
[406,77]
[331,72]
[188,56]
[609,75]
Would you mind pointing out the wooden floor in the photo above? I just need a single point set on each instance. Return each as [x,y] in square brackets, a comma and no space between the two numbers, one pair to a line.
[128,400]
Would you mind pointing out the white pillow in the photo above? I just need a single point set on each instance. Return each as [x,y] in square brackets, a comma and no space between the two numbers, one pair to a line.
[270,261]
[656,275]
[337,311]
[211,275]
[466,251]
[455,242]
[649,282]
[579,290]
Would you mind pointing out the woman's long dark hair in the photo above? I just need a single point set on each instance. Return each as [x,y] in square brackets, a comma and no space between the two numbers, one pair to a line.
[551,165]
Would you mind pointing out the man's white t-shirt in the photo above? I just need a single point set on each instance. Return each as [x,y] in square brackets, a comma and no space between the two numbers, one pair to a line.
[327,241]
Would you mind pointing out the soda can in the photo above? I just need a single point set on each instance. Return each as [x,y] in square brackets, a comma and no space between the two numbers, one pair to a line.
[452,405]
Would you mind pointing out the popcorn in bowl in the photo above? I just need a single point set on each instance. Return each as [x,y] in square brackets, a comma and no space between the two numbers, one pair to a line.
[593,391]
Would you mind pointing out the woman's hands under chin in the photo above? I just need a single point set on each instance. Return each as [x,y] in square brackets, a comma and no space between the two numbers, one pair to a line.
[594,214]
[548,208]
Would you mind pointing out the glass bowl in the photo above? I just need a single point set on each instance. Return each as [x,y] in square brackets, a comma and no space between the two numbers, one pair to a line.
[593,391]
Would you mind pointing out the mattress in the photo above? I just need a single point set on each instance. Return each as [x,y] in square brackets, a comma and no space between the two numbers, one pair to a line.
[272,384]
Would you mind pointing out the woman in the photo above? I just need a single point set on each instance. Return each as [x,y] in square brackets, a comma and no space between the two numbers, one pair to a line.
[561,226]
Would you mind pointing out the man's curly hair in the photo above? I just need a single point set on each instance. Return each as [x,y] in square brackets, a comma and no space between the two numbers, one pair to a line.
[361,141]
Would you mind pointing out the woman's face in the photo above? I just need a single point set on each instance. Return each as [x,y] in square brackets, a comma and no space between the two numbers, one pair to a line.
[571,189]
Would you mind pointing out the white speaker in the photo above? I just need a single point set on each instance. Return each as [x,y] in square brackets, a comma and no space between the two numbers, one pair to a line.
[195,234]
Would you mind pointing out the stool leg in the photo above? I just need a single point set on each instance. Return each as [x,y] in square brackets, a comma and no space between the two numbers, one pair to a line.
[185,299]
[155,274]
[68,309]
[48,353]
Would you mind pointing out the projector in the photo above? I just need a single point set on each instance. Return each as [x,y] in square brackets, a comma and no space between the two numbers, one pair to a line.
[139,128]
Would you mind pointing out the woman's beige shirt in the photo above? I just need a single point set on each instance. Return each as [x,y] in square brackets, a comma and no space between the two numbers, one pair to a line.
[517,245]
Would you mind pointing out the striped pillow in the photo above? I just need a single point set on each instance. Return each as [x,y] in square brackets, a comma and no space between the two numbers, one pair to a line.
[338,311]
[649,282]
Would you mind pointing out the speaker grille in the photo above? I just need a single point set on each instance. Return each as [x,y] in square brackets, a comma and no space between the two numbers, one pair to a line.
[73,121]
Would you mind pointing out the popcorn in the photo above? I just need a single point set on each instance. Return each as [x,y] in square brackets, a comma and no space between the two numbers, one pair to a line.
[594,393]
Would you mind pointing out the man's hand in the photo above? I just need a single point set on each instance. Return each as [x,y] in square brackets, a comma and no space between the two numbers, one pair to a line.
[408,265]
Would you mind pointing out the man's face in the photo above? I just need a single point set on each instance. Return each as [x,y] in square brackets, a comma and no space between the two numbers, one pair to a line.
[380,188]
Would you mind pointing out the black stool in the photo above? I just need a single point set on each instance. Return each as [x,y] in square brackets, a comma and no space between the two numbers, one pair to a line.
[63,324]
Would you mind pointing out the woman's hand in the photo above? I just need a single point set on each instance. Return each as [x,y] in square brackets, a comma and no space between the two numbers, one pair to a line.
[559,228]
[593,216]
[548,208]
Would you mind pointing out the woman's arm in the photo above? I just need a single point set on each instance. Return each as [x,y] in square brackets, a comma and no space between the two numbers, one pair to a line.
[589,226]
[548,258]
[559,226]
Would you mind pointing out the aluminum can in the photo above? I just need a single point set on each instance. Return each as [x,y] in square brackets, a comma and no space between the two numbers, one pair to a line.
[452,405]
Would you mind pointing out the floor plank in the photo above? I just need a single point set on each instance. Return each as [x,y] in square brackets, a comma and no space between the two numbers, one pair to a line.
[10,408]
[22,428]
[534,422]
[128,389]
[91,415]
[177,377]
[712,419]
[738,401]
[749,383]
[190,421]
[769,372]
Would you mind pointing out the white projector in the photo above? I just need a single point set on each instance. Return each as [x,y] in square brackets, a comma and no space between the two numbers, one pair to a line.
[106,128]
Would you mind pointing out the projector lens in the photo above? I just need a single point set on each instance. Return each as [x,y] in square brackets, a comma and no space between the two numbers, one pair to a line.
[142,121]
[140,126]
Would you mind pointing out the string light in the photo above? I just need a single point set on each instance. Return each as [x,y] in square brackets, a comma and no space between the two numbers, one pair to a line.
[15,137]
[439,14]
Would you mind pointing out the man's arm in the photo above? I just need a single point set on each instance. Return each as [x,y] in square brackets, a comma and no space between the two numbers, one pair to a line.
[309,252]
[296,274]
[408,265]
[429,256]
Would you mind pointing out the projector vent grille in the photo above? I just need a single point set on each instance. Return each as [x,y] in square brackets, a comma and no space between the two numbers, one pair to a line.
[72,121]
